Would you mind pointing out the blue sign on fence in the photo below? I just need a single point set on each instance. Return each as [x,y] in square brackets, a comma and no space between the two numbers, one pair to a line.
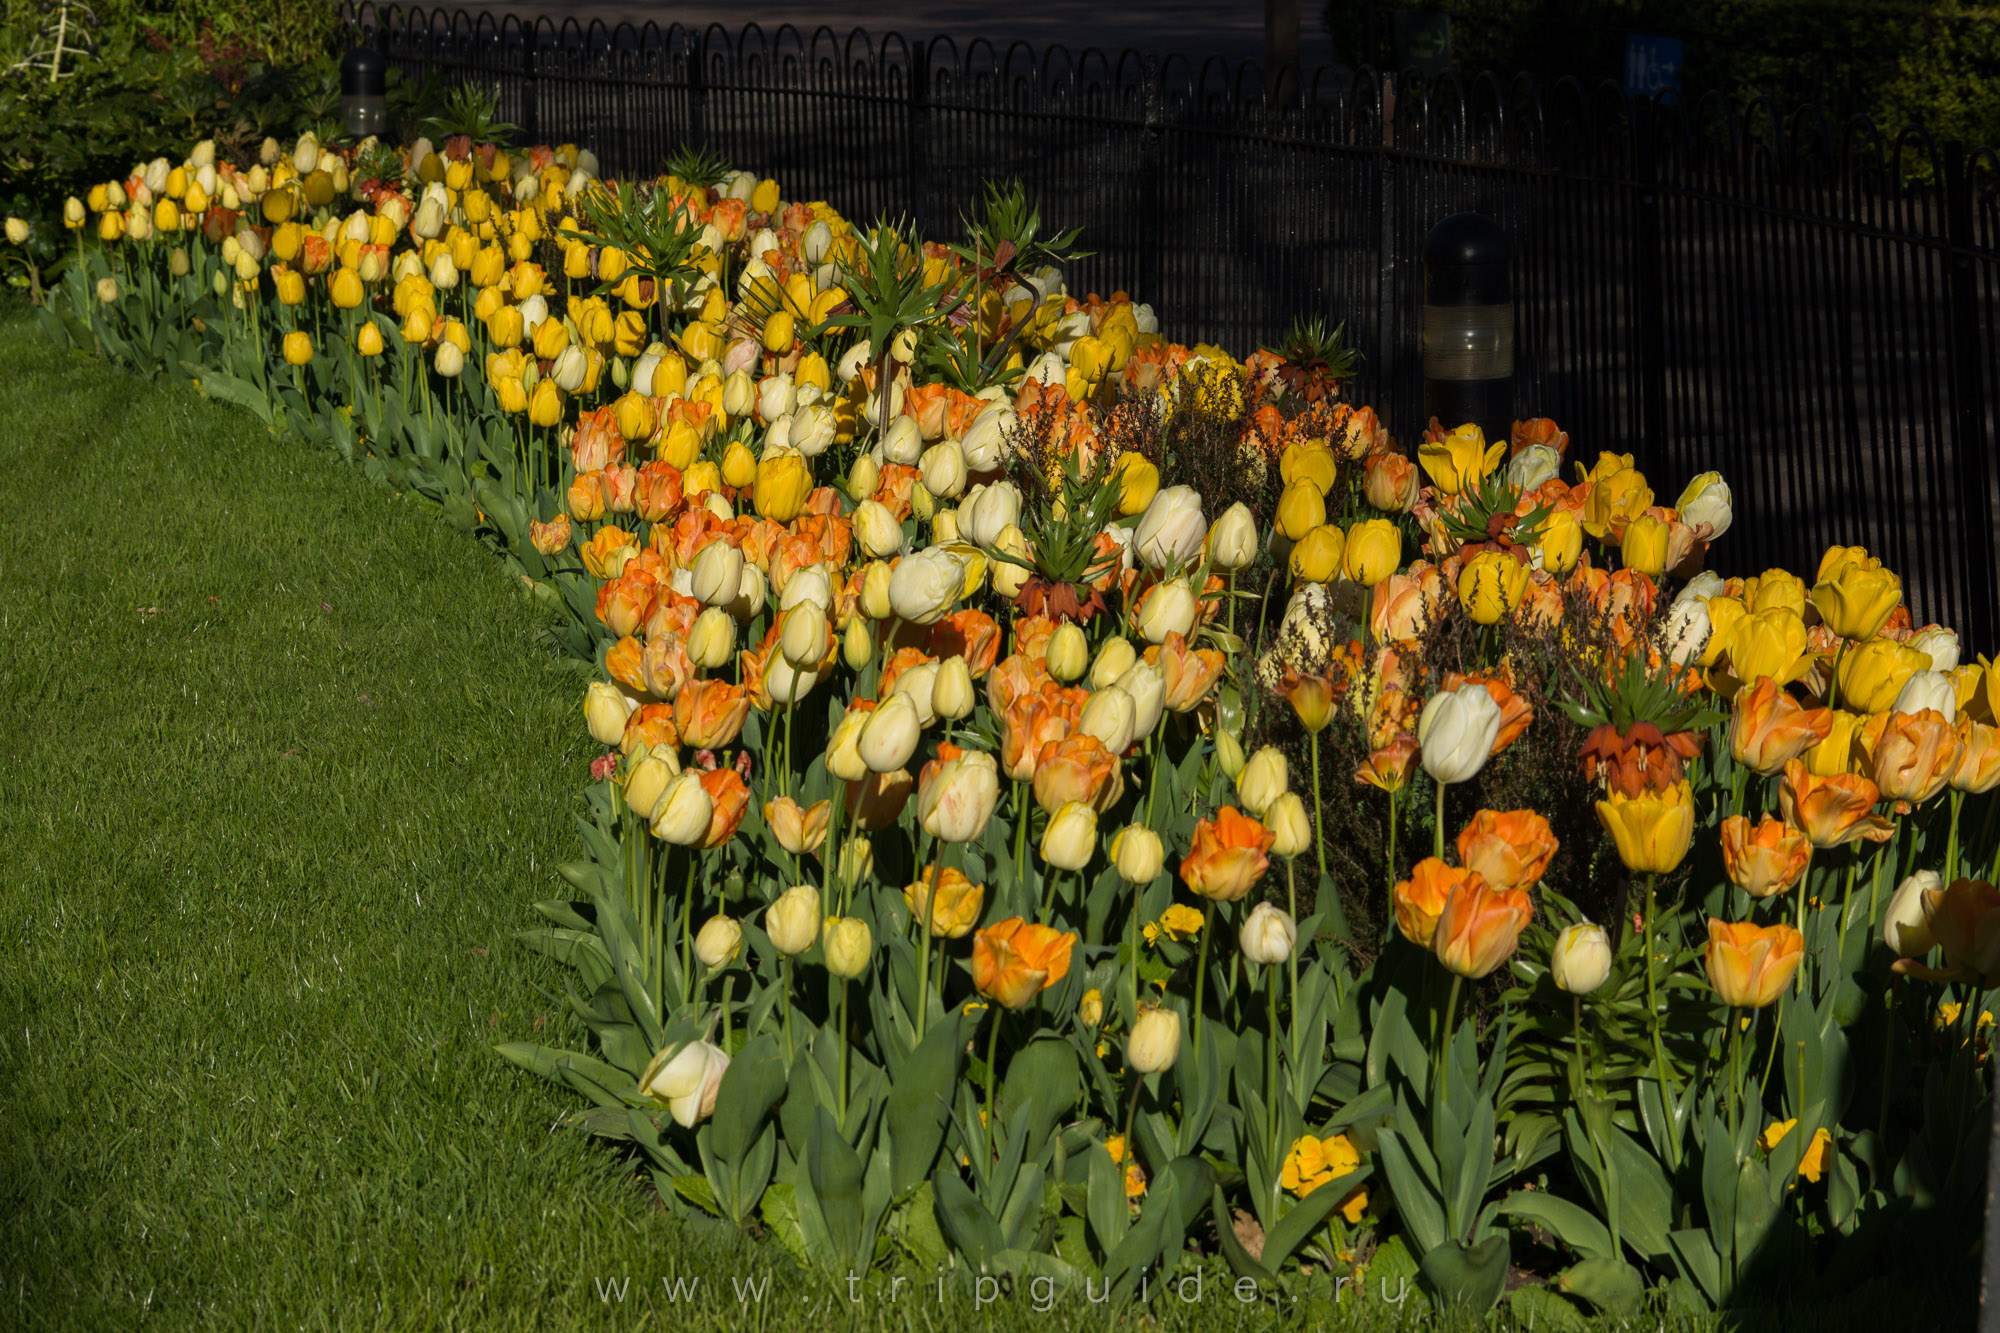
[1652,63]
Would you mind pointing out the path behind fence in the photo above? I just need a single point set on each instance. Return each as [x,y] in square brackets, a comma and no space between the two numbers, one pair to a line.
[1811,308]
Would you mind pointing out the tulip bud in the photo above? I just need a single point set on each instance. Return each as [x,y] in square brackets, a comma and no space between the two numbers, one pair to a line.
[1138,854]
[449,361]
[804,637]
[1171,531]
[918,685]
[1940,643]
[1068,652]
[1928,689]
[793,920]
[943,469]
[686,1080]
[875,584]
[17,231]
[1169,608]
[849,946]
[1155,1041]
[903,442]
[876,530]
[605,708]
[717,574]
[1456,731]
[1232,540]
[1229,754]
[857,645]
[1148,691]
[1291,828]
[1109,715]
[1114,659]
[926,585]
[1264,779]
[952,692]
[712,639]
[718,941]
[1090,1010]
[682,814]
[1906,927]
[1581,959]
[890,734]
[1268,935]
[648,777]
[1071,838]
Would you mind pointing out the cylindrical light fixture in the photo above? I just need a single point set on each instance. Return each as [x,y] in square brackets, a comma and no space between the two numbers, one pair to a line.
[1468,326]
[364,87]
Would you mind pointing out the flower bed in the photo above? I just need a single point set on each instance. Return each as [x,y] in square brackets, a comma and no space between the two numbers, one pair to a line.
[1077,805]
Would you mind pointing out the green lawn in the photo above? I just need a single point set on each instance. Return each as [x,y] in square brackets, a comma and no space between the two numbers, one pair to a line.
[284,765]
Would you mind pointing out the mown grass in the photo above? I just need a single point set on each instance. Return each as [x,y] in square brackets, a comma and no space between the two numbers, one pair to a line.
[285,764]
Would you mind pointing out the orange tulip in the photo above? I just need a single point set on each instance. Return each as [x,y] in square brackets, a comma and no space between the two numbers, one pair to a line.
[1766,860]
[1228,856]
[1965,921]
[1979,759]
[1749,965]
[623,663]
[1770,728]
[1510,850]
[952,909]
[970,634]
[728,797]
[799,831]
[1911,756]
[1832,811]
[649,725]
[1032,722]
[710,713]
[1311,697]
[1421,898]
[1479,927]
[1018,677]
[1077,768]
[1189,673]
[1389,766]
[874,802]
[1013,961]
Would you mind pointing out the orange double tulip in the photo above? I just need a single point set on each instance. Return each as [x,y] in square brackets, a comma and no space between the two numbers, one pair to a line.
[728,798]
[1189,673]
[952,908]
[1770,728]
[1077,768]
[1510,850]
[1911,756]
[1749,965]
[1479,926]
[1979,757]
[1764,860]
[710,713]
[1013,961]
[1421,899]
[1228,855]
[1965,921]
[1833,811]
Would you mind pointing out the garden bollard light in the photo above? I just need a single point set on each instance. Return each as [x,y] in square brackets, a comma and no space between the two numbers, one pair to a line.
[1468,327]
[364,104]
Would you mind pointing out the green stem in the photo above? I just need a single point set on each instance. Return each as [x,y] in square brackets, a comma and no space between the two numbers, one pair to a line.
[924,933]
[1653,1009]
[843,1054]
[785,995]
[992,1064]
[1951,845]
[1771,1056]
[1319,839]
[1201,970]
[1292,897]
[1444,1038]
[1576,1045]
[1389,925]
[687,929]
[1022,802]
[1437,844]
[1131,1116]
[1735,1074]
[1271,1051]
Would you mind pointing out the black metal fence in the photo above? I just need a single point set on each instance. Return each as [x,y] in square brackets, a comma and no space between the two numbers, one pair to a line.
[1813,309]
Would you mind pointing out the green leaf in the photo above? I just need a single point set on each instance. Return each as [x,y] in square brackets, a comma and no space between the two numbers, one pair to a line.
[919,1104]
[1043,1082]
[751,1086]
[1573,1225]
[1239,1258]
[970,1228]
[1310,1213]
[1421,1209]
[1472,1276]
[1612,1285]
[836,1175]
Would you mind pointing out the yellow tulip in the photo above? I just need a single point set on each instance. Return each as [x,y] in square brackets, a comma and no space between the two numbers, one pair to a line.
[1872,674]
[783,482]
[298,348]
[1300,509]
[345,288]
[1652,829]
[1858,599]
[1373,551]
[1316,559]
[1490,586]
[1461,460]
[1645,546]
[545,405]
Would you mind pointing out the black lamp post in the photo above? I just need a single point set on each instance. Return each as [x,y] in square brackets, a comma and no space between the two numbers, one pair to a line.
[364,104]
[1468,329]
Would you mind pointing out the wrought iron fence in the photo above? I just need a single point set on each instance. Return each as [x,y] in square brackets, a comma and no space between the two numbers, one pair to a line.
[1812,308]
